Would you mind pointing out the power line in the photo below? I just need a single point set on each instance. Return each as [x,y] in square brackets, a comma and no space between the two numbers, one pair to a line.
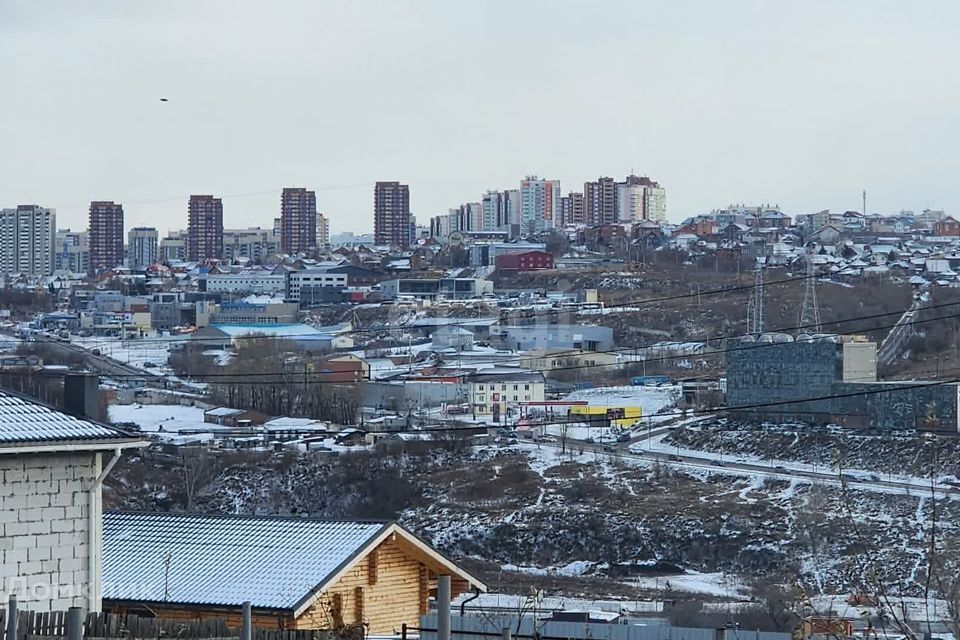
[248,194]
[668,358]
[467,321]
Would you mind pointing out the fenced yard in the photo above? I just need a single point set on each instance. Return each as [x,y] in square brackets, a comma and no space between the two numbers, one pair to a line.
[76,625]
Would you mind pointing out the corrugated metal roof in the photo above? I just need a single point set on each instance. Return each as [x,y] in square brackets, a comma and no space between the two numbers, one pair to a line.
[25,421]
[273,562]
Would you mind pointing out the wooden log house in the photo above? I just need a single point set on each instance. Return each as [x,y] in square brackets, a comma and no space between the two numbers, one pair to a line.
[298,573]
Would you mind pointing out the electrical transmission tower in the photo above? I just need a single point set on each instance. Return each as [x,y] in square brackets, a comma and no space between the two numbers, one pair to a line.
[755,303]
[810,313]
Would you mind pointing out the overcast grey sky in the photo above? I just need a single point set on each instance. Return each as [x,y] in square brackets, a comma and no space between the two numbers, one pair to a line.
[800,103]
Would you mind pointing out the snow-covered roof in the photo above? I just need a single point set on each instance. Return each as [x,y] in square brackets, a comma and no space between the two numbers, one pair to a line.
[273,562]
[27,422]
[222,412]
[271,330]
[295,424]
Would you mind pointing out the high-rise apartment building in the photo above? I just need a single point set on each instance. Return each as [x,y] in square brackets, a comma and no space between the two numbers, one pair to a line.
[571,209]
[391,214]
[27,240]
[539,204]
[640,198]
[105,225]
[72,251]
[500,209]
[298,220]
[323,232]
[142,245]
[173,248]
[655,203]
[254,243]
[600,201]
[204,228]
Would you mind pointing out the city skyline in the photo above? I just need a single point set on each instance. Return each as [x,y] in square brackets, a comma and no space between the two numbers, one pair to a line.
[691,86]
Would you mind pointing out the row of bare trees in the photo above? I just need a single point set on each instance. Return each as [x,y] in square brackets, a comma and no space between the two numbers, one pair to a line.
[273,377]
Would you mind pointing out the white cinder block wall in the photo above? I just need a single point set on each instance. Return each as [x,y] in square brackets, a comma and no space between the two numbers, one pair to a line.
[45,524]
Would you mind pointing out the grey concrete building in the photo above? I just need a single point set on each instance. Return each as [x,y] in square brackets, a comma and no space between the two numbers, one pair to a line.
[831,380]
[27,240]
[555,336]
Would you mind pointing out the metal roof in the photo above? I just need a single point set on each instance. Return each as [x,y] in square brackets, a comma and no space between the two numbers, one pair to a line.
[274,562]
[25,421]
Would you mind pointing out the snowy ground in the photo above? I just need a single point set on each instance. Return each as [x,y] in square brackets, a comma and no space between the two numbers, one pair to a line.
[504,601]
[713,584]
[856,478]
[169,418]
[135,352]
[580,431]
[649,399]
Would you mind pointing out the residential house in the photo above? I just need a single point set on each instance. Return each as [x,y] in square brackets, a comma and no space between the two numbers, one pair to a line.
[947,226]
[297,573]
[53,466]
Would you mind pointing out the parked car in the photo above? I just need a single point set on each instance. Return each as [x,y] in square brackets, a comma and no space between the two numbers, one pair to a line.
[623,437]
[718,463]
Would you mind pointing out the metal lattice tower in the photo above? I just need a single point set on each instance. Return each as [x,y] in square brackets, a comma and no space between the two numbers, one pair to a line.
[810,313]
[755,303]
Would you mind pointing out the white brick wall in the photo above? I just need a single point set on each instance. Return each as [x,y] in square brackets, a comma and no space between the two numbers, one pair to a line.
[44,521]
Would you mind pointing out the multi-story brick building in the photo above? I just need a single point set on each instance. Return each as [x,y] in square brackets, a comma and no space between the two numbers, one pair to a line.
[391,214]
[524,261]
[298,220]
[600,201]
[571,209]
[105,225]
[204,228]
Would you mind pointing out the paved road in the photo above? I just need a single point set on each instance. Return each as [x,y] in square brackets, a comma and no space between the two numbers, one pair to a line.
[735,467]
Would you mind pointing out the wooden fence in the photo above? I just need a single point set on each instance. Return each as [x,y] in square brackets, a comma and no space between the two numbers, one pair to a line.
[34,625]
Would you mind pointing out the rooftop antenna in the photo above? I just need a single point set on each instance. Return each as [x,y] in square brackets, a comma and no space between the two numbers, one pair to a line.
[755,302]
[810,313]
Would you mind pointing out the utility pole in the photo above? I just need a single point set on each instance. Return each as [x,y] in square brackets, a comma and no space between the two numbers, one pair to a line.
[810,313]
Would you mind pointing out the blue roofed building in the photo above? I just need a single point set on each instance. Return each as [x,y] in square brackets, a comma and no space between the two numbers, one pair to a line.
[302,336]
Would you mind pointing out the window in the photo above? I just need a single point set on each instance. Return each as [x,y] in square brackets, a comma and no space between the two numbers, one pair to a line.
[526,387]
[515,387]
